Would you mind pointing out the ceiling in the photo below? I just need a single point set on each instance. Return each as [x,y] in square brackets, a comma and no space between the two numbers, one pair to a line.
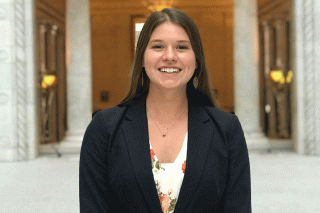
[131,4]
[137,6]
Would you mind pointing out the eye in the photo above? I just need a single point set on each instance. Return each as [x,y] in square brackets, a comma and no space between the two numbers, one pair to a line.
[182,47]
[157,47]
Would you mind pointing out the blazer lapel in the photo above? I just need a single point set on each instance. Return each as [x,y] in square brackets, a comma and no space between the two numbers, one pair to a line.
[199,139]
[136,133]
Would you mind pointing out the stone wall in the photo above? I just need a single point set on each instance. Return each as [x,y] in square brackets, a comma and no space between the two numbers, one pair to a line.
[18,120]
[306,113]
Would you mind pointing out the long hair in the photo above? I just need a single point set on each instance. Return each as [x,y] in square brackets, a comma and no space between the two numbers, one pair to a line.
[203,94]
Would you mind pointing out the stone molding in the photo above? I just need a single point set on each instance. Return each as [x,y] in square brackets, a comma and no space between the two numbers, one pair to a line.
[20,66]
[309,72]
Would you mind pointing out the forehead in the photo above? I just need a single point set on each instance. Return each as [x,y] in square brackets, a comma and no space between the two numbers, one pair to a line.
[168,30]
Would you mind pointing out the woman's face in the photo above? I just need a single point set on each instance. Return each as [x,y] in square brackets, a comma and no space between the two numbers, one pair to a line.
[169,59]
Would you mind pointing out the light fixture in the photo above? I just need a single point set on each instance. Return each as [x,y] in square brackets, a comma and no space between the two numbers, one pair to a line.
[49,81]
[154,6]
[277,76]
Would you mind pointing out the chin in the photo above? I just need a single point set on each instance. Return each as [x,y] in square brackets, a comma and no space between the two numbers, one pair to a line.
[175,87]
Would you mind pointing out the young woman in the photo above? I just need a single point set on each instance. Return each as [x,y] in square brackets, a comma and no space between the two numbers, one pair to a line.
[166,147]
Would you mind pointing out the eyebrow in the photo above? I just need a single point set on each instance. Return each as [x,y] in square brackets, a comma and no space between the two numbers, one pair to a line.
[180,41]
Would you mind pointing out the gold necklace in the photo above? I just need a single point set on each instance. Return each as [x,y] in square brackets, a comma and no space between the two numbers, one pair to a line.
[165,134]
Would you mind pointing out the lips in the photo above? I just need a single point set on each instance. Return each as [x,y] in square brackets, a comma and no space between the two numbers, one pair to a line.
[169,70]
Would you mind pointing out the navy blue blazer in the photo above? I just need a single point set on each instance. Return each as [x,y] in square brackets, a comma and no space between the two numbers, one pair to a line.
[115,163]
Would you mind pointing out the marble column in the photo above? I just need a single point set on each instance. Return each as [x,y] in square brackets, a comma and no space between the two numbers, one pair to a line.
[18,83]
[246,72]
[306,82]
[79,85]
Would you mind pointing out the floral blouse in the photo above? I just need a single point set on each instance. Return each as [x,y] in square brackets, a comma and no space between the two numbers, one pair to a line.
[168,177]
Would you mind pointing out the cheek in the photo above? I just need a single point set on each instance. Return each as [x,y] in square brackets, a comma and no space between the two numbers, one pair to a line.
[192,60]
[192,63]
[146,60]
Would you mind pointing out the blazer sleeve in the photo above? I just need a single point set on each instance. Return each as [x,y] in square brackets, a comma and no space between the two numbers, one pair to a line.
[238,191]
[93,187]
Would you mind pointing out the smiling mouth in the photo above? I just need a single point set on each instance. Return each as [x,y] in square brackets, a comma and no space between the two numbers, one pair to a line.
[169,70]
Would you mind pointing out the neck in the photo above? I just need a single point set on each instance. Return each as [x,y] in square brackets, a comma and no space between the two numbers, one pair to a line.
[166,103]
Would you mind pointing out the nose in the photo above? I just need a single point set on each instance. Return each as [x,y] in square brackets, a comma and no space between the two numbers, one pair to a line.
[169,54]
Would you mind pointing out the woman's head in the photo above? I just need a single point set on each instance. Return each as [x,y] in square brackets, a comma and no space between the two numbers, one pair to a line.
[140,82]
[169,60]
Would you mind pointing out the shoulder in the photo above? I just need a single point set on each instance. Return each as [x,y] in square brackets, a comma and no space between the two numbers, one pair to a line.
[107,118]
[228,123]
[102,127]
[219,116]
[218,113]
[110,113]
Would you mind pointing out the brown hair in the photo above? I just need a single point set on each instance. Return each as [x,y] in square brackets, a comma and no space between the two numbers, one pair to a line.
[203,94]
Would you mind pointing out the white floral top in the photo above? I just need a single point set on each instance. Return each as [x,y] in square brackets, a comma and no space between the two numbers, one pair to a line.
[168,177]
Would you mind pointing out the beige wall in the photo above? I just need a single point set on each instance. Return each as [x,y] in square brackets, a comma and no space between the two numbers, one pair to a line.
[112,53]
[216,29]
[111,58]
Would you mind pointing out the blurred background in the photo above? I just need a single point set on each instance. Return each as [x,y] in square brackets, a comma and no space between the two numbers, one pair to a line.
[63,60]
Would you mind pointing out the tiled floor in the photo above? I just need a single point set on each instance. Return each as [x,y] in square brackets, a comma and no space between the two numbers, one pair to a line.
[281,183]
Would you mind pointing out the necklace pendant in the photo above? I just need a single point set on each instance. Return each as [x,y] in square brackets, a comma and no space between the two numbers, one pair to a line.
[164,135]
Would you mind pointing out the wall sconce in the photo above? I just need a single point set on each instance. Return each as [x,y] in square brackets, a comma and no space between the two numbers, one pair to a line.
[49,81]
[277,76]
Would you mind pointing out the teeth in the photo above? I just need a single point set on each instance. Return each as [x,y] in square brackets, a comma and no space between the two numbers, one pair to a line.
[169,70]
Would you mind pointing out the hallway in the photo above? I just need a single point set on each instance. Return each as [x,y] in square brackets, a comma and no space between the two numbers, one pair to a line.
[282,182]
